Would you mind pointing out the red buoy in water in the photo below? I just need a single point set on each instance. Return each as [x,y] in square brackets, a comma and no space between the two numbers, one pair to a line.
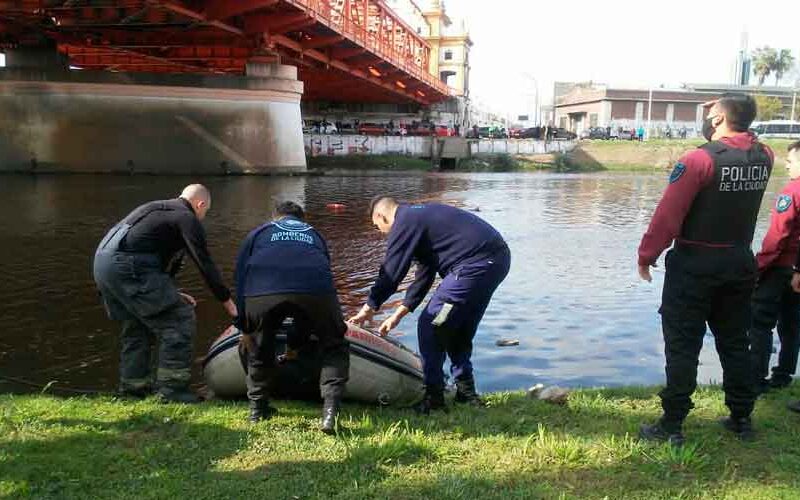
[336,206]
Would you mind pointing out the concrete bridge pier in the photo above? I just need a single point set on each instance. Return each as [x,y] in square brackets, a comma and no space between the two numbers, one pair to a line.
[53,119]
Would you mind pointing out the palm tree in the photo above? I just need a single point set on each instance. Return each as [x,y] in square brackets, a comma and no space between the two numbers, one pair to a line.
[764,62]
[783,63]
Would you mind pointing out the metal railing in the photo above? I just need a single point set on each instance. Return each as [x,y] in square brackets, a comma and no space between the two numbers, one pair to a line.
[382,38]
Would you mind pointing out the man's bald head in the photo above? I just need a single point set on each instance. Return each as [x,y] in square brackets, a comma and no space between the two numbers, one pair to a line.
[381,204]
[199,197]
[382,210]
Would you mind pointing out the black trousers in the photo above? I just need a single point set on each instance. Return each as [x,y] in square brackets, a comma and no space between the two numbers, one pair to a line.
[319,315]
[774,302]
[707,286]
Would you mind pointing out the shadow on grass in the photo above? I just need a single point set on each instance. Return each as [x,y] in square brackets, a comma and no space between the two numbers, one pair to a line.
[518,448]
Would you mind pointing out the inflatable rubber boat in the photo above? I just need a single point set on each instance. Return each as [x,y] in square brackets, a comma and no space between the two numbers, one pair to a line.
[382,370]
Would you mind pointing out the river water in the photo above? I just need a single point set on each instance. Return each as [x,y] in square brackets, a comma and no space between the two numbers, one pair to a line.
[572,298]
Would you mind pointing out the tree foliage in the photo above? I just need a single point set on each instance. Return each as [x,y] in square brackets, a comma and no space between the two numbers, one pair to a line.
[768,61]
[768,107]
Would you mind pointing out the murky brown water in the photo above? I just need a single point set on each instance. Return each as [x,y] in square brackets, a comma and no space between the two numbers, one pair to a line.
[572,297]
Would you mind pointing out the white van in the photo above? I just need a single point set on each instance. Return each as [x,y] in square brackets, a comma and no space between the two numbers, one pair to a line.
[777,129]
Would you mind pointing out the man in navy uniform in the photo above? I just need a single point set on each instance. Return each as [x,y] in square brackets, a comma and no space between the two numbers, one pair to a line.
[774,300]
[284,270]
[472,259]
[134,267]
[709,210]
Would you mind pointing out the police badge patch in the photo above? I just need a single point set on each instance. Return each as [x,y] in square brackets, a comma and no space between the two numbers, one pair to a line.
[677,172]
[783,203]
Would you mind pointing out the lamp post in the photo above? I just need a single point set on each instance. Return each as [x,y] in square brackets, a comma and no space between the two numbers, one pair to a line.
[536,102]
[649,112]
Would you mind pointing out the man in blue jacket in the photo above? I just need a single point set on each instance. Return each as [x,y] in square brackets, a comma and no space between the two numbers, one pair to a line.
[472,259]
[283,270]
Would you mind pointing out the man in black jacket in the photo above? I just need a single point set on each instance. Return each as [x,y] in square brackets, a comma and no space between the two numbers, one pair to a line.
[134,267]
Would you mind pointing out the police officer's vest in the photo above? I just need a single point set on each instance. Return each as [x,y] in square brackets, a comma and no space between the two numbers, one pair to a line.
[725,211]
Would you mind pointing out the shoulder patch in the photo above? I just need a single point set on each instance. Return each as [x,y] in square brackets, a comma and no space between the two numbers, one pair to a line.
[783,203]
[677,172]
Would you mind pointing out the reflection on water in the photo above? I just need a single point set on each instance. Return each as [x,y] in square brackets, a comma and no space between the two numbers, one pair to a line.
[572,297]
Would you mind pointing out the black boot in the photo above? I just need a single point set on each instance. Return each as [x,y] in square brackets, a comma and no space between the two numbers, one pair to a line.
[780,381]
[662,431]
[433,400]
[178,395]
[794,406]
[741,426]
[762,386]
[330,414]
[465,393]
[261,411]
[138,393]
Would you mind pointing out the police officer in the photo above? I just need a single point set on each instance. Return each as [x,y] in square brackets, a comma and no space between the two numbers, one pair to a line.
[774,300]
[284,270]
[134,267]
[472,259]
[709,209]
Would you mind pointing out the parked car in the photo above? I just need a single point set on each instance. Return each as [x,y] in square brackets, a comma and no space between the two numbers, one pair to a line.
[444,131]
[347,129]
[562,133]
[627,135]
[594,133]
[371,129]
[319,127]
[484,132]
[514,133]
[531,133]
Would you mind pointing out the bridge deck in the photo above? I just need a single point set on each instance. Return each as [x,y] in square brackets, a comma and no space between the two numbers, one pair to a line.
[346,50]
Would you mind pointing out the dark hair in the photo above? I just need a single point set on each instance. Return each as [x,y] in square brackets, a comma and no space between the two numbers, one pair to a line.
[291,209]
[793,146]
[740,110]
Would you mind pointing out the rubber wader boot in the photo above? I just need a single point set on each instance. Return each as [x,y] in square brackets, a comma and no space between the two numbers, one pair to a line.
[330,414]
[433,400]
[465,393]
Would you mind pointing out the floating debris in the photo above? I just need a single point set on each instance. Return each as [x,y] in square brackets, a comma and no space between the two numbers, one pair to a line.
[507,342]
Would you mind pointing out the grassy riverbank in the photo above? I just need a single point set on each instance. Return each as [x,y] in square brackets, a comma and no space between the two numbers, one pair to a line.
[653,155]
[589,156]
[518,448]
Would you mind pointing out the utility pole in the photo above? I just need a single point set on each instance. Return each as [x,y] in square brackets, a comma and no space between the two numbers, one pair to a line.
[649,112]
[536,102]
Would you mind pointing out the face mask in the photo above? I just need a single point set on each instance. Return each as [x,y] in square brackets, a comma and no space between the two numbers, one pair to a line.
[708,129]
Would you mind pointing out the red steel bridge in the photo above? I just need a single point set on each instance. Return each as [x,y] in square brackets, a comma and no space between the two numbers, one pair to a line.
[345,50]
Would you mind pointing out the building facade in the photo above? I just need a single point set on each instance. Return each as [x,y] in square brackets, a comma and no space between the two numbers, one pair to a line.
[583,105]
[599,106]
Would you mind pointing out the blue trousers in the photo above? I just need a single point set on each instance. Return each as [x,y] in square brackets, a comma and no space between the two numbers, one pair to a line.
[449,321]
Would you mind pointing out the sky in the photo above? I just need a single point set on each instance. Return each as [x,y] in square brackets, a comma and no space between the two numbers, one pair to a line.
[624,44]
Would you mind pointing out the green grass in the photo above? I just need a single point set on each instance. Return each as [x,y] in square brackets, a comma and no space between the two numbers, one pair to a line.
[518,448]
[654,155]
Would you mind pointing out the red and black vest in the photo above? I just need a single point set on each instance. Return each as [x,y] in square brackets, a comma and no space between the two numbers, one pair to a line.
[725,211]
